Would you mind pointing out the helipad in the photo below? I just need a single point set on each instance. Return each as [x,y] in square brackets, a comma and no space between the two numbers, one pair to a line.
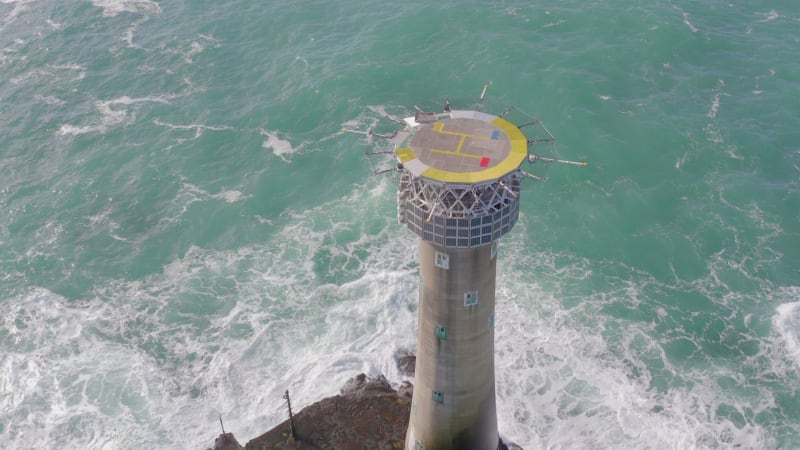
[463,147]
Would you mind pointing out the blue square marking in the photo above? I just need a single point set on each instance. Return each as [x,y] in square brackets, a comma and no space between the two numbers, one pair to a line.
[495,135]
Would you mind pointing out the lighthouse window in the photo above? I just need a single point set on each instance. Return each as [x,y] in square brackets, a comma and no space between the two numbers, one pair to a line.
[470,298]
[442,260]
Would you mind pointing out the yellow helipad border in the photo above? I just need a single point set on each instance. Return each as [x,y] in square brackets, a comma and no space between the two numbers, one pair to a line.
[516,155]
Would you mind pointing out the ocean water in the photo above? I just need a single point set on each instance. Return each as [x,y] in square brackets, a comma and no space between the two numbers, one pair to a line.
[185,232]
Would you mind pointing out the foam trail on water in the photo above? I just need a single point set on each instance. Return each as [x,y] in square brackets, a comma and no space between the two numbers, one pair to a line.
[787,324]
[114,7]
[112,114]
[49,99]
[199,129]
[686,21]
[280,147]
[579,377]
[153,362]
[20,6]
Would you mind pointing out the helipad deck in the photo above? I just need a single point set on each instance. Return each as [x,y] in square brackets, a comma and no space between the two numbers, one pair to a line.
[464,147]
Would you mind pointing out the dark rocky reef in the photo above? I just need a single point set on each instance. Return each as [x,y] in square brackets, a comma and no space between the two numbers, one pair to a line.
[406,362]
[367,414]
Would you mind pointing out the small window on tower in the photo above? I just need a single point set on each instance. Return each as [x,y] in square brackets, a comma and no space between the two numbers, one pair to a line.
[470,298]
[442,260]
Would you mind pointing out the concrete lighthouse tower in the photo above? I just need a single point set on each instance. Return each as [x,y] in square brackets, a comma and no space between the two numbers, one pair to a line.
[459,192]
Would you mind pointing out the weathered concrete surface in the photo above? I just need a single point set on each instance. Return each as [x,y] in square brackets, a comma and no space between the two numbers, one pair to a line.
[454,390]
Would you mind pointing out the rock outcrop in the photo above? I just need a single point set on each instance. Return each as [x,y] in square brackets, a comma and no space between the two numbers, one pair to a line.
[406,362]
[368,414]
[226,441]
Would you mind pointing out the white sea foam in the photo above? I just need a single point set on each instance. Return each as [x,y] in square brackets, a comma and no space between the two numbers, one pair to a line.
[330,294]
[758,90]
[12,53]
[714,106]
[329,332]
[114,7]
[54,25]
[51,71]
[715,100]
[36,73]
[118,111]
[187,54]
[511,11]
[566,379]
[112,116]
[280,147]
[770,16]
[196,49]
[230,196]
[199,129]
[713,134]
[191,193]
[263,221]
[127,37]
[33,324]
[554,24]
[787,325]
[47,237]
[102,220]
[80,69]
[681,161]
[686,19]
[210,38]
[73,130]
[49,99]
[20,6]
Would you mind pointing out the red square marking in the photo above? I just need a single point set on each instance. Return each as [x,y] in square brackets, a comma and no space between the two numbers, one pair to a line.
[485,162]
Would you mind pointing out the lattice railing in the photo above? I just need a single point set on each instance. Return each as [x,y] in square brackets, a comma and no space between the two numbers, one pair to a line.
[457,215]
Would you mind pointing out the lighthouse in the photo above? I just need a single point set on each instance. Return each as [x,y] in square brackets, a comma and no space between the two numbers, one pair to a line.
[459,192]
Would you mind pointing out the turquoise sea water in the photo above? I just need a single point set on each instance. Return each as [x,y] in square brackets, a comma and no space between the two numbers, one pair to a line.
[185,233]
